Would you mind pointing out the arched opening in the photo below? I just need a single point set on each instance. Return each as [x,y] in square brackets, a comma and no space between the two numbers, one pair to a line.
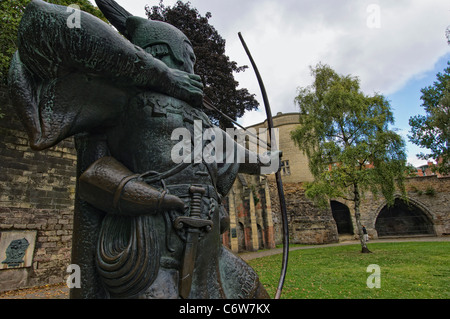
[403,219]
[341,215]
[260,237]
[241,237]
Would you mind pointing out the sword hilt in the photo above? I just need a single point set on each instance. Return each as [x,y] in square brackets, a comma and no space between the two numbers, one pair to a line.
[194,220]
[196,203]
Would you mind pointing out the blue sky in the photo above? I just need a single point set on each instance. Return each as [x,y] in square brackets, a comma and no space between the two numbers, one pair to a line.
[406,103]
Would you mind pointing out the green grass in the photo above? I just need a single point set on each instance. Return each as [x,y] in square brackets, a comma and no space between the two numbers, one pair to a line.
[419,270]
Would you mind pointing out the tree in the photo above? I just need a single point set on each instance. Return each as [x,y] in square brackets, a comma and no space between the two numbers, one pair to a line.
[346,137]
[212,64]
[432,130]
[11,12]
[447,34]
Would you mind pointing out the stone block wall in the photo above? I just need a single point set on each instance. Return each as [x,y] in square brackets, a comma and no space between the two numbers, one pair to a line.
[430,194]
[297,161]
[37,192]
[250,212]
[308,224]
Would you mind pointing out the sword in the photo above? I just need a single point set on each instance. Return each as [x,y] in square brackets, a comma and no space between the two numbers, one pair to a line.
[194,224]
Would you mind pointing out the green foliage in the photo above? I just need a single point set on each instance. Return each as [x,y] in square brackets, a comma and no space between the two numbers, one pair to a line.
[430,191]
[11,12]
[255,194]
[212,64]
[447,34]
[432,130]
[346,136]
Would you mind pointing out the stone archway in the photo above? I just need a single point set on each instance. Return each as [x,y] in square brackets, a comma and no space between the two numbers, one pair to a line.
[341,215]
[404,219]
[260,237]
[241,237]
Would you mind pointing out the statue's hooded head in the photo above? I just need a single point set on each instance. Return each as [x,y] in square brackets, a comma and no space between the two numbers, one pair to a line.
[163,41]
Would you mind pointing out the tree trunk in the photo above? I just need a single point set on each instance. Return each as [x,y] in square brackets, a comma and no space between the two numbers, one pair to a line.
[357,201]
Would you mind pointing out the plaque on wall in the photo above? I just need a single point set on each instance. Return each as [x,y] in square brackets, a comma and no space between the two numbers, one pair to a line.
[16,249]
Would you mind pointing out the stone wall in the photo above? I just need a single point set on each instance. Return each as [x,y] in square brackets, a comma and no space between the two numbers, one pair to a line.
[250,211]
[298,170]
[308,224]
[430,194]
[37,192]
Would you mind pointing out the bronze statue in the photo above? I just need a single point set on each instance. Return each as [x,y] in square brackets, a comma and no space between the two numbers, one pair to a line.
[145,226]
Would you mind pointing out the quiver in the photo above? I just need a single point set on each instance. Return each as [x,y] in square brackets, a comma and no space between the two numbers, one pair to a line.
[111,187]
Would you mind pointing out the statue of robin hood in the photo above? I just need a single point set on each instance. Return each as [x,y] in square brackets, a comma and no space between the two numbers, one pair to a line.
[144,225]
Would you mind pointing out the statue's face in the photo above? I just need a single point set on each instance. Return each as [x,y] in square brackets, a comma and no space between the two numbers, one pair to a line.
[189,58]
[187,65]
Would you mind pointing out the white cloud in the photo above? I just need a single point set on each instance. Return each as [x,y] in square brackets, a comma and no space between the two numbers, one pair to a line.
[287,36]
[253,117]
[408,43]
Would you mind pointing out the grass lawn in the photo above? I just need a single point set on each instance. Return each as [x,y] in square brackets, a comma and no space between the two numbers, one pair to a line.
[419,270]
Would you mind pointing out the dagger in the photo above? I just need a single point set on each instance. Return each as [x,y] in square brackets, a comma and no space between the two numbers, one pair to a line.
[194,224]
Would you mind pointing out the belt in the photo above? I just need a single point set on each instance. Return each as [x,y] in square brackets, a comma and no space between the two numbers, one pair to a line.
[182,190]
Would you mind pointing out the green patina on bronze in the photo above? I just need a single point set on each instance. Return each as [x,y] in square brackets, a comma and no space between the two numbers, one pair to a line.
[144,226]
[15,252]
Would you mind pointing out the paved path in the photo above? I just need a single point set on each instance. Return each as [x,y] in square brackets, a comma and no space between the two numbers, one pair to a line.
[60,291]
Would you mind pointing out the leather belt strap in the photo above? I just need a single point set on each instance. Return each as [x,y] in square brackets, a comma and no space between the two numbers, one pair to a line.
[119,189]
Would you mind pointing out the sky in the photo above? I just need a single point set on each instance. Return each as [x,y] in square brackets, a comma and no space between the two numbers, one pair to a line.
[395,48]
